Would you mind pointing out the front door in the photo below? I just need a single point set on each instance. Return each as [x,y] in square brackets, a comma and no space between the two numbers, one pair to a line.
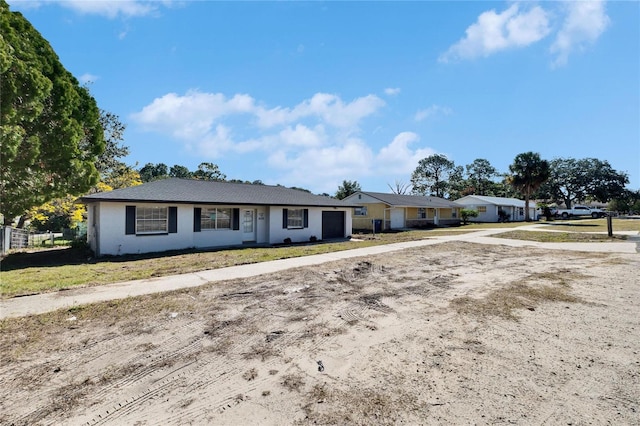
[248,225]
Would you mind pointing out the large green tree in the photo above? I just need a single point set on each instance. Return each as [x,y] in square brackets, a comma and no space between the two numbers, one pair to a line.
[347,188]
[480,175]
[209,171]
[574,180]
[150,172]
[50,131]
[437,175]
[528,173]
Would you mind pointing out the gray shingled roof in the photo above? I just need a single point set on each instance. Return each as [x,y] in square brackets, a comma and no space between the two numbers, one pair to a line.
[400,200]
[187,191]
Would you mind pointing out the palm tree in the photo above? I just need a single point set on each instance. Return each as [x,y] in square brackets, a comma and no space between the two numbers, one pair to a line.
[528,173]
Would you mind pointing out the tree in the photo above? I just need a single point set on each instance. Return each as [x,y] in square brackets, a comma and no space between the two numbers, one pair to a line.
[480,176]
[399,187]
[466,214]
[50,132]
[347,188]
[574,180]
[209,171]
[179,172]
[628,202]
[150,172]
[528,173]
[57,215]
[113,134]
[123,176]
[433,174]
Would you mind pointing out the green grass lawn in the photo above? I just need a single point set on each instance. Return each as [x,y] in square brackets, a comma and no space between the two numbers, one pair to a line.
[42,271]
[593,225]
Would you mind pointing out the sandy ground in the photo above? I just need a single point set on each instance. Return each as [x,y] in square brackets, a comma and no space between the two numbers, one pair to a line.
[458,333]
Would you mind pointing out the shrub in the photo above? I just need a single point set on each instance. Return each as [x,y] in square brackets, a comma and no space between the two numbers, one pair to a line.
[287,240]
[313,238]
[466,214]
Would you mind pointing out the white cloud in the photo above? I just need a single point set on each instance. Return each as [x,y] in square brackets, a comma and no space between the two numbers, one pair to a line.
[301,135]
[88,78]
[392,91]
[398,157]
[108,8]
[112,8]
[584,24]
[433,110]
[191,116]
[323,168]
[494,32]
[330,109]
[213,125]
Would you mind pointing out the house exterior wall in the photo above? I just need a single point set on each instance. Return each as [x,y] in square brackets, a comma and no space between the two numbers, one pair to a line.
[107,225]
[374,211]
[516,214]
[378,210]
[277,234]
[113,240]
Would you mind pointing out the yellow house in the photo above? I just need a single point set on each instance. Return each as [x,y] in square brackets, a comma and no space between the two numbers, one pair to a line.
[382,211]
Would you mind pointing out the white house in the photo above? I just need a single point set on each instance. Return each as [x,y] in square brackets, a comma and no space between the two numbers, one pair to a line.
[488,208]
[174,214]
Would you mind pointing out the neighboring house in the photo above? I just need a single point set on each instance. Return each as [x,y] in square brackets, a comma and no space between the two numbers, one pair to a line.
[382,211]
[173,214]
[488,208]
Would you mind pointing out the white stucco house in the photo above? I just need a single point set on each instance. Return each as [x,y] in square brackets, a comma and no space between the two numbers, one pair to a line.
[488,207]
[175,214]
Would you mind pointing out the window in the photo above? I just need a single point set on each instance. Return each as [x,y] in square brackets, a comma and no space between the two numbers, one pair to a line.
[482,209]
[215,218]
[360,211]
[422,213]
[295,218]
[151,220]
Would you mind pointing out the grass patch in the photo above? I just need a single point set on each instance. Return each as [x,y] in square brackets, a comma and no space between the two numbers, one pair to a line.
[593,225]
[43,271]
[493,225]
[505,301]
[42,332]
[559,237]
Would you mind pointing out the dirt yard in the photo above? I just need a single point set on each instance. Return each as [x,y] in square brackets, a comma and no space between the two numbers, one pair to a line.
[457,333]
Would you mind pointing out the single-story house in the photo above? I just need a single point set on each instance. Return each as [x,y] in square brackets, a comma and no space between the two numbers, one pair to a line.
[488,208]
[174,214]
[380,211]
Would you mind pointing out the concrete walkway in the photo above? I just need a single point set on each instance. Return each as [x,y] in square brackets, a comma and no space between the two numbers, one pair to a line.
[48,302]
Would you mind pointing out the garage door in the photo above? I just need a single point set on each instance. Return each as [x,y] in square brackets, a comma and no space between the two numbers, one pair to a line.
[332,225]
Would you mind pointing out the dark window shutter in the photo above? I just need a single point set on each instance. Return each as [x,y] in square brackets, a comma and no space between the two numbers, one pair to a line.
[236,219]
[306,218]
[173,220]
[197,211]
[285,218]
[130,225]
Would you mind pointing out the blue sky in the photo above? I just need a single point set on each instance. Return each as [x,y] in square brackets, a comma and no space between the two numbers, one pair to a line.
[309,94]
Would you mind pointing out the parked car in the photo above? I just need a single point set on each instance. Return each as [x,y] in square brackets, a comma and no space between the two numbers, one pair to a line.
[579,211]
